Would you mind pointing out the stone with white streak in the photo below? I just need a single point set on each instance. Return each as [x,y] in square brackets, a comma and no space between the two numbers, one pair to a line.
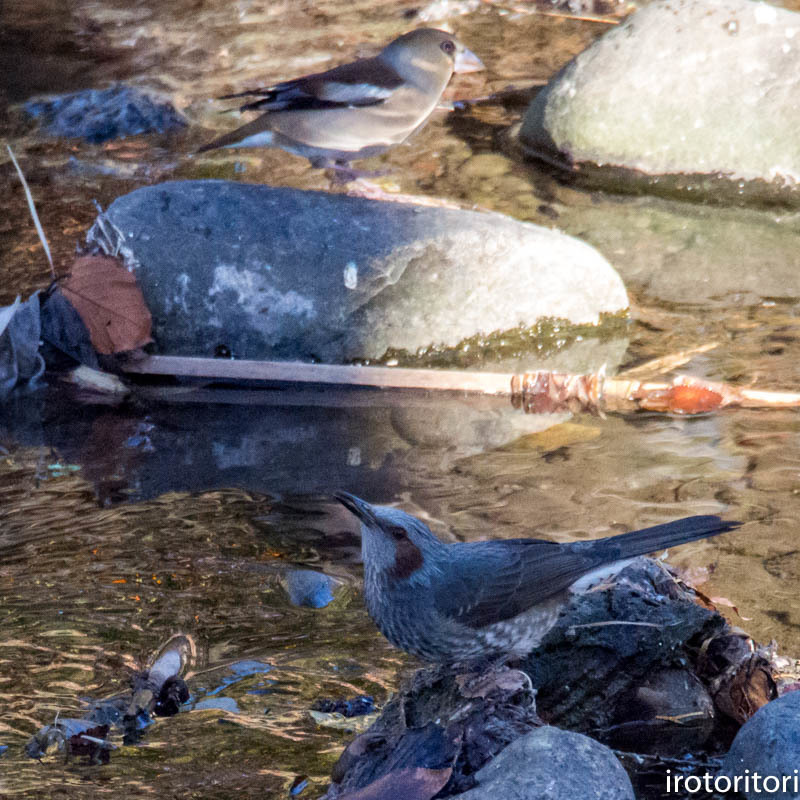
[279,273]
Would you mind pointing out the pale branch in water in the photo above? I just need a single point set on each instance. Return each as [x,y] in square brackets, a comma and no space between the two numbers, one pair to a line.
[533,392]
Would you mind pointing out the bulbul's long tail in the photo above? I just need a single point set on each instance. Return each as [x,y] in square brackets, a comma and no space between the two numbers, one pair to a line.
[671,534]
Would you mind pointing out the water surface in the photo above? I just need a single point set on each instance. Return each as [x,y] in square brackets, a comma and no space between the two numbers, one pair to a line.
[124,522]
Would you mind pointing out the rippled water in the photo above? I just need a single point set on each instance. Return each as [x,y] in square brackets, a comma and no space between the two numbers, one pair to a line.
[124,522]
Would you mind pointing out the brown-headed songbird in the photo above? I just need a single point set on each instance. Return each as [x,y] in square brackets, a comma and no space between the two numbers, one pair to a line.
[449,602]
[356,110]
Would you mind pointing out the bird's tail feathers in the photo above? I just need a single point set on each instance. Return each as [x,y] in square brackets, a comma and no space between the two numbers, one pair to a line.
[671,534]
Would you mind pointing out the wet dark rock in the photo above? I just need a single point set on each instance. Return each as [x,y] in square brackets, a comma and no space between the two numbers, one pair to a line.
[552,764]
[173,694]
[278,273]
[768,744]
[682,88]
[353,707]
[669,712]
[20,329]
[64,330]
[434,724]
[99,115]
[606,648]
[618,666]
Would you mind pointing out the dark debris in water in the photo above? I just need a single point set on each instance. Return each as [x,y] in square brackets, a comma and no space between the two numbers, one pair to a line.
[352,707]
[99,115]
[157,691]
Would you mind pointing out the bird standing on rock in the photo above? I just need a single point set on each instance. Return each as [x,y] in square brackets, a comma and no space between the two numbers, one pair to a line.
[455,602]
[355,110]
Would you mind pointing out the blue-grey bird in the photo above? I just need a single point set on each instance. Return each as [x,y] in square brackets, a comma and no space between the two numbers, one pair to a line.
[487,599]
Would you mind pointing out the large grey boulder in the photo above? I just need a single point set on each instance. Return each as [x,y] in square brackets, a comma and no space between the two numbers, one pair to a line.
[277,273]
[552,764]
[767,745]
[687,87]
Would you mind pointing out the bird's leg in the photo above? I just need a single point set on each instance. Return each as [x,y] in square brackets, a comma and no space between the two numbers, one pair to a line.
[484,677]
[344,173]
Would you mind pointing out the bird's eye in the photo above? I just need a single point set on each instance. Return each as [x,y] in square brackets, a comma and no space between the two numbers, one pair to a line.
[448,47]
[397,533]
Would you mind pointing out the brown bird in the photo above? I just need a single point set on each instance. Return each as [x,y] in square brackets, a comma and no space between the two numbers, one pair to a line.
[355,110]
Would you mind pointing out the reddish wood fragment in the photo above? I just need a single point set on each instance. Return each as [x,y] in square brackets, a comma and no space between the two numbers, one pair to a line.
[682,399]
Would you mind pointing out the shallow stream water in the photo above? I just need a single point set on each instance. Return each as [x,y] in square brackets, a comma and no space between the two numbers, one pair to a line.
[122,523]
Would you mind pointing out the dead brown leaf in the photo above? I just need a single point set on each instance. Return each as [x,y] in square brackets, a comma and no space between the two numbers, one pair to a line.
[723,601]
[110,303]
[413,783]
[749,688]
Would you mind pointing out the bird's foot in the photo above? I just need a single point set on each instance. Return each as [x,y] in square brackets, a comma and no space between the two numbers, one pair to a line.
[492,678]
[344,174]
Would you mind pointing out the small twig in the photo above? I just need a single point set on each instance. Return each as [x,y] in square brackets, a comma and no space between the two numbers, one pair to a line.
[532,11]
[663,364]
[713,763]
[32,208]
[102,742]
[614,622]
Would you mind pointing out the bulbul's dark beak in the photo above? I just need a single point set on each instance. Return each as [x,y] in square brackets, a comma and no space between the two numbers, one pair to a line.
[467,61]
[360,508]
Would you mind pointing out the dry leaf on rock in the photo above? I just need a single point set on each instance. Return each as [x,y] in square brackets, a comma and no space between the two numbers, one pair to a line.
[415,783]
[109,302]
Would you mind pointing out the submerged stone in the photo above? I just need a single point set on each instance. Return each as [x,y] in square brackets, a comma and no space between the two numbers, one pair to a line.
[767,745]
[552,764]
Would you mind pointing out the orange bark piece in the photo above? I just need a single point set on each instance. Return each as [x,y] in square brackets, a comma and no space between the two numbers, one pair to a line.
[110,303]
[694,399]
[680,399]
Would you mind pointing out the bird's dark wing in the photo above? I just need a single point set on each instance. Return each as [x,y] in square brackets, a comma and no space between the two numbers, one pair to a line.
[487,582]
[362,83]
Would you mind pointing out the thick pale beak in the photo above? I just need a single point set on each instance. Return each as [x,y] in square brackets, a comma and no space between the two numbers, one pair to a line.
[467,61]
[360,508]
